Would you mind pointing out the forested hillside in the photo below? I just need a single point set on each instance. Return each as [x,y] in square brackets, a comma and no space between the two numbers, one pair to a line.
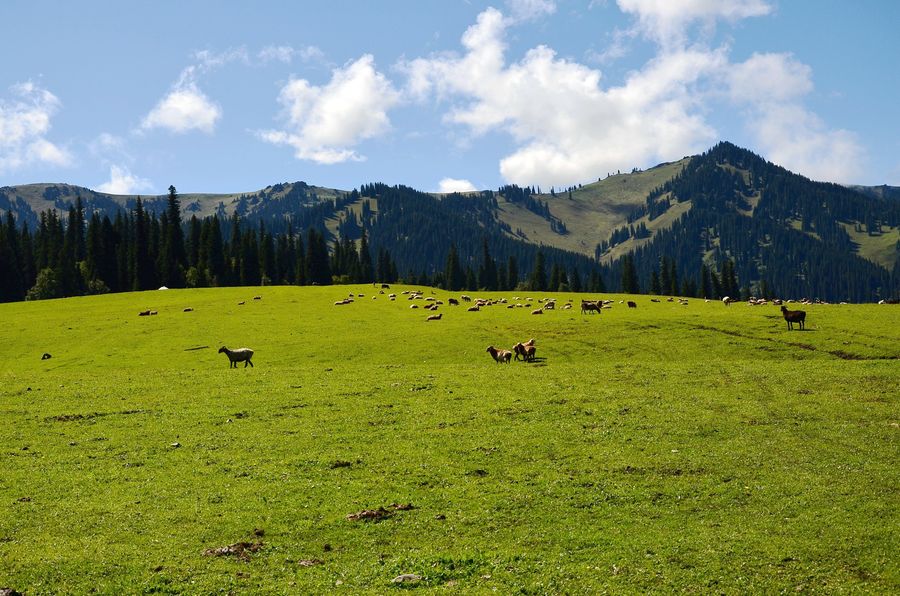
[723,223]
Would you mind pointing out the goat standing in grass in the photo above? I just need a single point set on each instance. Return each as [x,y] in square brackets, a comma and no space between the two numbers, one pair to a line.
[240,355]
[794,316]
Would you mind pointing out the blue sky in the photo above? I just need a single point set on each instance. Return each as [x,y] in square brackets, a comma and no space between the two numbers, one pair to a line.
[130,97]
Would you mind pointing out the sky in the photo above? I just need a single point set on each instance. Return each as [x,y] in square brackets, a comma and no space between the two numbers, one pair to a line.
[440,95]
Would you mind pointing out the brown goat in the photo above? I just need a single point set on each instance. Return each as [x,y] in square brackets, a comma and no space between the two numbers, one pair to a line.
[794,316]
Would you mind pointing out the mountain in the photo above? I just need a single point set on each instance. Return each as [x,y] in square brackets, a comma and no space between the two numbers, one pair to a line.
[782,233]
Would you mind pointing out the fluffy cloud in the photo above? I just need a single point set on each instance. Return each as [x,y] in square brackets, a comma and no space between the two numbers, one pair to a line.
[123,182]
[455,185]
[771,88]
[24,123]
[324,124]
[568,126]
[666,22]
[184,109]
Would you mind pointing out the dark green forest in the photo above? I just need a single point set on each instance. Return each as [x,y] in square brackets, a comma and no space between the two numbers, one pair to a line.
[753,229]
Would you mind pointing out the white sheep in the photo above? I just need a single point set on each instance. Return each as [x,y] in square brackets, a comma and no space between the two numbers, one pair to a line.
[240,355]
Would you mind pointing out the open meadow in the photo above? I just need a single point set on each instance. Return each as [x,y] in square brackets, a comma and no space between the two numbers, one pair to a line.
[663,448]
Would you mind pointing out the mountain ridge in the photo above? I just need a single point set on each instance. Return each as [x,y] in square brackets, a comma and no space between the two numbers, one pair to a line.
[726,204]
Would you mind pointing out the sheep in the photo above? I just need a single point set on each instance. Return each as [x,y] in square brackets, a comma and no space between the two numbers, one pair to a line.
[794,316]
[538,311]
[240,355]
[436,317]
[632,304]
[465,298]
[414,306]
[260,297]
[499,355]
[241,303]
[654,300]
[525,351]
[188,309]
[144,313]
[590,306]
[473,308]
[452,301]
[46,356]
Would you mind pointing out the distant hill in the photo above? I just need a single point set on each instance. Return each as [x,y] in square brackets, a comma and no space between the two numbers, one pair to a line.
[783,233]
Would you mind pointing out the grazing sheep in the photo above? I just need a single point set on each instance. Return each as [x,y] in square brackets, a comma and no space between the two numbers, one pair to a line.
[538,311]
[465,298]
[654,300]
[46,356]
[794,316]
[434,317]
[726,300]
[525,351]
[590,306]
[241,303]
[260,297]
[188,309]
[452,301]
[567,307]
[474,308]
[153,312]
[144,313]
[385,286]
[499,355]
[240,355]
[414,306]
[632,304]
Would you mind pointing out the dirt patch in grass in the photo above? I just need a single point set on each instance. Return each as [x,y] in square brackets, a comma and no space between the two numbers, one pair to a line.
[380,513]
[239,550]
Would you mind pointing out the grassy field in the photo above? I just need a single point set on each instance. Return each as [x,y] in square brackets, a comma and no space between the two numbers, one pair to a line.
[666,448]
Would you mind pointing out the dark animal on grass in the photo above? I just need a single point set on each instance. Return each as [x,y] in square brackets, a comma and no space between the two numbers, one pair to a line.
[499,355]
[240,355]
[590,306]
[46,356]
[452,301]
[794,316]
[435,317]
[632,304]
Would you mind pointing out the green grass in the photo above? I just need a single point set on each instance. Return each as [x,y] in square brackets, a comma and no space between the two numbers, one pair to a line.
[660,449]
[881,249]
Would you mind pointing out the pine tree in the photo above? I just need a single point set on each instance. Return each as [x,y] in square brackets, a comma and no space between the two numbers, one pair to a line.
[629,276]
[538,280]
[512,273]
[654,283]
[574,276]
[366,271]
[453,273]
[487,272]
[173,258]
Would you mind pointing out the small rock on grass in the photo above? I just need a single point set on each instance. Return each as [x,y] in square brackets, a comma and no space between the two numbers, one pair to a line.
[406,578]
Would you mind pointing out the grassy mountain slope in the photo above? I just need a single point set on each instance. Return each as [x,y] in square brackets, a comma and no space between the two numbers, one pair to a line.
[593,211]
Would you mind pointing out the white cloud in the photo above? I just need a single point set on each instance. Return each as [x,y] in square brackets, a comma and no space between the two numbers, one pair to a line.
[448,185]
[527,10]
[24,124]
[567,125]
[123,182]
[771,88]
[287,54]
[667,22]
[324,124]
[185,108]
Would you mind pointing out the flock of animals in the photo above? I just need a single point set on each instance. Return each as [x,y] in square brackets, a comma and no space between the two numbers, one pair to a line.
[523,350]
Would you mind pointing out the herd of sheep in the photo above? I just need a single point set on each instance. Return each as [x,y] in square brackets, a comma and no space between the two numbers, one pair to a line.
[523,350]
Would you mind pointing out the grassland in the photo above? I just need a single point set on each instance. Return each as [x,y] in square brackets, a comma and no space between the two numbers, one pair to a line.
[660,449]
